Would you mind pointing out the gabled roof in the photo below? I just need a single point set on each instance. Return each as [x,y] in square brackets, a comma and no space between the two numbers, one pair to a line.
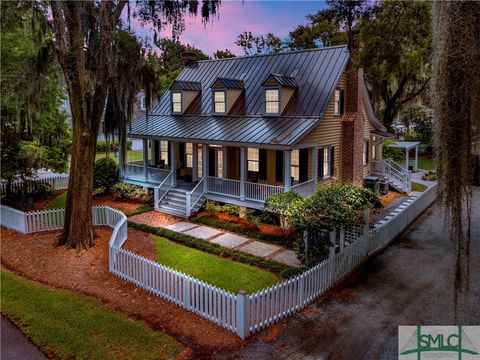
[282,80]
[186,85]
[273,132]
[317,72]
[230,83]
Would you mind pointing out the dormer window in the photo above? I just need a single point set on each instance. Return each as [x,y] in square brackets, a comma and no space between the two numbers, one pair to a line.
[272,101]
[176,102]
[219,102]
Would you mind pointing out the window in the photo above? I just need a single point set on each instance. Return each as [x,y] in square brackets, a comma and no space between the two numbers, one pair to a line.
[272,105]
[189,154]
[326,163]
[219,102]
[365,151]
[143,103]
[374,147]
[338,102]
[200,161]
[164,151]
[176,102]
[253,159]
[295,165]
[326,157]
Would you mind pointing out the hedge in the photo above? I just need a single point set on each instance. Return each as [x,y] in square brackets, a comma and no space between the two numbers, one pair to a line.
[289,243]
[284,270]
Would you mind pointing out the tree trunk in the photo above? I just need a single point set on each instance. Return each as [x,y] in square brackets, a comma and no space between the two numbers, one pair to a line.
[78,227]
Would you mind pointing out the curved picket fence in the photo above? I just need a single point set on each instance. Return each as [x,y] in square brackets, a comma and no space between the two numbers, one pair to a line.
[240,313]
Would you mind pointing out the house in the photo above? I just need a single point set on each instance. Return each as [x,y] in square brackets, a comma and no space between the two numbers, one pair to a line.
[241,129]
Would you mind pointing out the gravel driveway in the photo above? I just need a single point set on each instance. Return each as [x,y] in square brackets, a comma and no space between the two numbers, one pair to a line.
[409,283]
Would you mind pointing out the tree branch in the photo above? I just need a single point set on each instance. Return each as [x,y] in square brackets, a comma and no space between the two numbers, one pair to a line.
[415,94]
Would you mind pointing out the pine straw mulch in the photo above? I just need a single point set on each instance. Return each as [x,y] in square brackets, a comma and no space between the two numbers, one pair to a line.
[34,256]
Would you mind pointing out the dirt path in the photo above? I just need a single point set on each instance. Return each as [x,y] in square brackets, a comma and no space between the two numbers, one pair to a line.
[410,283]
[34,256]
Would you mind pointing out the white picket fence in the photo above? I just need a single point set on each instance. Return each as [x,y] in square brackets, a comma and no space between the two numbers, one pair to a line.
[56,182]
[240,313]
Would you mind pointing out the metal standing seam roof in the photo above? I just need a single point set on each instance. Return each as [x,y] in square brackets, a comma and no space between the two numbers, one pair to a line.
[186,85]
[316,73]
[283,80]
[230,83]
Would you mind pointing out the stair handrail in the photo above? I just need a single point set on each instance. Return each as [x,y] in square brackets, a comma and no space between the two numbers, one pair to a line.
[398,173]
[189,204]
[164,187]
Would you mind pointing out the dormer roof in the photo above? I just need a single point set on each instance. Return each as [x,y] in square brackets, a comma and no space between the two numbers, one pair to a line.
[228,83]
[282,80]
[186,85]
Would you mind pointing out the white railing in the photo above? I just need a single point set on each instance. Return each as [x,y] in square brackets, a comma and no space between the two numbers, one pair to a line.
[194,196]
[223,186]
[305,188]
[394,172]
[241,313]
[260,192]
[156,175]
[162,190]
[56,182]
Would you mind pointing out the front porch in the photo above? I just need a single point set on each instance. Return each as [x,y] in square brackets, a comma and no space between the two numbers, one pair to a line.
[237,175]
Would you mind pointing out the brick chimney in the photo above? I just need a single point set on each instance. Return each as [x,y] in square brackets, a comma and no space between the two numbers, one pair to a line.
[352,128]
[188,58]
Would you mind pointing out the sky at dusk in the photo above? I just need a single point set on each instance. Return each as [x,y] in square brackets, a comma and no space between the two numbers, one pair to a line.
[259,17]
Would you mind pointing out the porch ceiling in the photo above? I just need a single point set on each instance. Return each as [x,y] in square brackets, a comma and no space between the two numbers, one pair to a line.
[277,132]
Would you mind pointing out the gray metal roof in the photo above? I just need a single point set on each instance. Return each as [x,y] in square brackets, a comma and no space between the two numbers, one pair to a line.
[230,83]
[283,80]
[274,132]
[316,71]
[186,85]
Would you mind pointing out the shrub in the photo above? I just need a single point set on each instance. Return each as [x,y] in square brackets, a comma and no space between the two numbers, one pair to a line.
[132,192]
[283,204]
[430,176]
[396,154]
[215,207]
[105,174]
[284,270]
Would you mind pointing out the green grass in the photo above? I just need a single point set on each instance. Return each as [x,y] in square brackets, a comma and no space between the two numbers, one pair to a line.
[58,202]
[132,155]
[418,187]
[66,325]
[224,273]
[426,164]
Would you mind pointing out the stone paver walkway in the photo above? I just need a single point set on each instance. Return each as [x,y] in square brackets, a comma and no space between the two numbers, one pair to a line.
[219,236]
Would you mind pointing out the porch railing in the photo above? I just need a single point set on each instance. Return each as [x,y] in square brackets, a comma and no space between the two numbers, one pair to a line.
[305,188]
[162,190]
[137,172]
[260,192]
[194,196]
[394,172]
[221,186]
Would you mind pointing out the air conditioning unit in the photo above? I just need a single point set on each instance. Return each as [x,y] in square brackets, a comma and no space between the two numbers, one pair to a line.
[372,182]
[383,187]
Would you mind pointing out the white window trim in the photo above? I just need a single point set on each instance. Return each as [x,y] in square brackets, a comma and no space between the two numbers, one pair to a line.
[326,151]
[295,166]
[279,101]
[181,102]
[365,142]
[250,160]
[215,112]
[164,153]
[337,102]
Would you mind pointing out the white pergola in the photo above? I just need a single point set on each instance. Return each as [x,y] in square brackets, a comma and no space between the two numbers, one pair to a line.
[407,146]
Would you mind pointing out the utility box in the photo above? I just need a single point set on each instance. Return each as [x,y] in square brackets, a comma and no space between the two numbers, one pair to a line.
[372,182]
[383,187]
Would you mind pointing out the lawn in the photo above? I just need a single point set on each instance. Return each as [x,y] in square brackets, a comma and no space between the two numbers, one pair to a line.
[58,202]
[418,187]
[132,155]
[67,325]
[222,272]
[426,164]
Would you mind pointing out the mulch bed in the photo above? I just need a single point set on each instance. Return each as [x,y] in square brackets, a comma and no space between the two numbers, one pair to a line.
[390,197]
[34,256]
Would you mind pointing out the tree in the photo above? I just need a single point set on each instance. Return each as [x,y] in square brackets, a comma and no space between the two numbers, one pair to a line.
[84,42]
[455,97]
[255,45]
[223,54]
[347,12]
[323,30]
[418,121]
[396,51]
[35,133]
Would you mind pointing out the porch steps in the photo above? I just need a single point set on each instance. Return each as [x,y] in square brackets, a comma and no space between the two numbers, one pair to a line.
[174,203]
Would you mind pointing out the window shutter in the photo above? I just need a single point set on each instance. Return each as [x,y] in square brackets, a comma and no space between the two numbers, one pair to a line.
[320,163]
[262,164]
[303,165]
[367,151]
[342,101]
[279,165]
[332,160]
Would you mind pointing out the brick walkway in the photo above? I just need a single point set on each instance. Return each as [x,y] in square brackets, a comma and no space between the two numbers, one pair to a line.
[218,236]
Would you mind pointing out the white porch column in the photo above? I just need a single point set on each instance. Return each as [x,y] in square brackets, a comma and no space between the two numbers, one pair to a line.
[243,175]
[287,157]
[145,159]
[173,162]
[205,166]
[194,162]
[406,157]
[415,168]
[315,165]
